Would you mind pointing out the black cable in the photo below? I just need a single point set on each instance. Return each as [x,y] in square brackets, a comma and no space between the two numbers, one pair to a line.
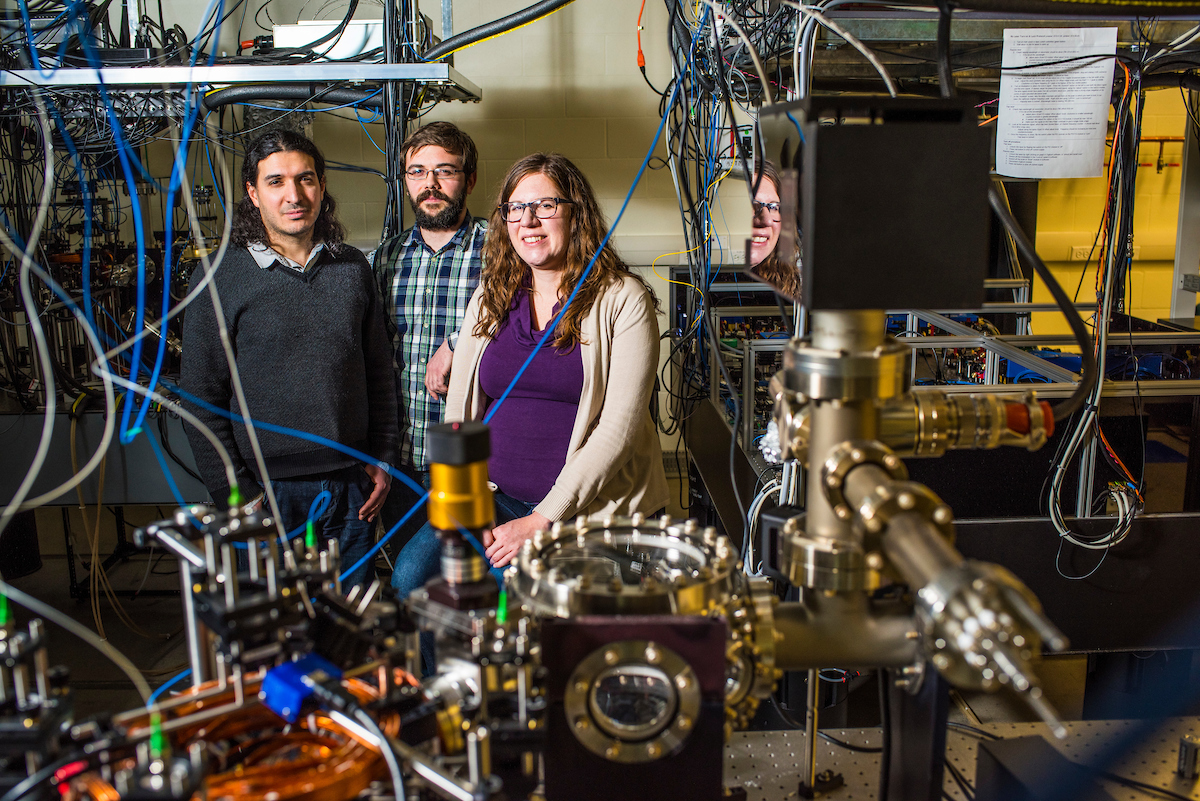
[973,731]
[783,313]
[647,79]
[861,749]
[310,92]
[964,786]
[1090,372]
[1135,784]
[494,28]
[945,74]
[165,438]
[23,787]
[885,725]
[737,415]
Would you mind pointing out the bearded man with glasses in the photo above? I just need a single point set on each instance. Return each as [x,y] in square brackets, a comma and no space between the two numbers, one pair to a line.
[427,275]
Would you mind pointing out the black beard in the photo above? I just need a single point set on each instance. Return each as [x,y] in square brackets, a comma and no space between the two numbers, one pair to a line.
[445,220]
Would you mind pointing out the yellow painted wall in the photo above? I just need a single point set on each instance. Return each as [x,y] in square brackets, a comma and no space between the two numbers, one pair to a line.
[1069,215]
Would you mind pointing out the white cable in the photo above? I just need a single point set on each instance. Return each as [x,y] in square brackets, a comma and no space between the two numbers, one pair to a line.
[849,37]
[210,265]
[236,380]
[1126,509]
[100,368]
[748,565]
[720,11]
[178,408]
[110,405]
[35,324]
[1179,44]
[73,626]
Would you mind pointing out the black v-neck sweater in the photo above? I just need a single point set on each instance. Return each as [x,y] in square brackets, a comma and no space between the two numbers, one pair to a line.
[313,355]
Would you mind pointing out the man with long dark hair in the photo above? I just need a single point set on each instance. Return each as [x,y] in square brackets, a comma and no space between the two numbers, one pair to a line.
[427,275]
[306,326]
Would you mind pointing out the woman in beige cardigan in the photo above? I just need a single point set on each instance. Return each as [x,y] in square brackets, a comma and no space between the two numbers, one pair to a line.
[574,434]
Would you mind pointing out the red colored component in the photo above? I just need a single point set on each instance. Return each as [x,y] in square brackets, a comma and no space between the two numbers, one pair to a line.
[1018,418]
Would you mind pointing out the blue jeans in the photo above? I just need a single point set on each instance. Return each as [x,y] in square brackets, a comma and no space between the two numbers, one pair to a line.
[349,489]
[421,560]
[400,499]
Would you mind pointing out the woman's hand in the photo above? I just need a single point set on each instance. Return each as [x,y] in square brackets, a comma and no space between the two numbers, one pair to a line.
[507,538]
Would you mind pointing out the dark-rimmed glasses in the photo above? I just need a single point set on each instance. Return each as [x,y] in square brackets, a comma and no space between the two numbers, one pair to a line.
[441,173]
[543,208]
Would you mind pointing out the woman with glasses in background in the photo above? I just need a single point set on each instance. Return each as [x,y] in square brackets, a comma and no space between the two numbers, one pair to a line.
[783,274]
[574,436]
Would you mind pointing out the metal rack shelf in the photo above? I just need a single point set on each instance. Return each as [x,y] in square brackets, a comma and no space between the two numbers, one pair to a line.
[456,86]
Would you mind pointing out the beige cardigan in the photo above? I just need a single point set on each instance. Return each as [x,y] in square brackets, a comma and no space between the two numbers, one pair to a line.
[614,459]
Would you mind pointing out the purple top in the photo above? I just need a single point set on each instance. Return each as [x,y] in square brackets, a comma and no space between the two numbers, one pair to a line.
[532,428]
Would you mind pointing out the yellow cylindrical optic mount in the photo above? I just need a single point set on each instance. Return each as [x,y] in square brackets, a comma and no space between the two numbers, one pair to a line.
[461,508]
[459,496]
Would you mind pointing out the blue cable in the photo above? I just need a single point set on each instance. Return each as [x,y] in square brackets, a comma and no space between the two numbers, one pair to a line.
[178,172]
[368,133]
[62,45]
[166,469]
[550,329]
[162,688]
[315,510]
[799,130]
[12,231]
[304,435]
[212,171]
[139,237]
[386,537]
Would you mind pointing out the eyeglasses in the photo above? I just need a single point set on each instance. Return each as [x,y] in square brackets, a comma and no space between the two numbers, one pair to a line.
[773,208]
[543,208]
[441,173]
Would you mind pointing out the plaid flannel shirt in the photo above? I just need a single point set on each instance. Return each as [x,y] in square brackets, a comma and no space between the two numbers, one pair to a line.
[426,295]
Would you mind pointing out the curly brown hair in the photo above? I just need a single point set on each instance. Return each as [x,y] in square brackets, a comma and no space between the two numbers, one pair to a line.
[247,220]
[774,270]
[504,274]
